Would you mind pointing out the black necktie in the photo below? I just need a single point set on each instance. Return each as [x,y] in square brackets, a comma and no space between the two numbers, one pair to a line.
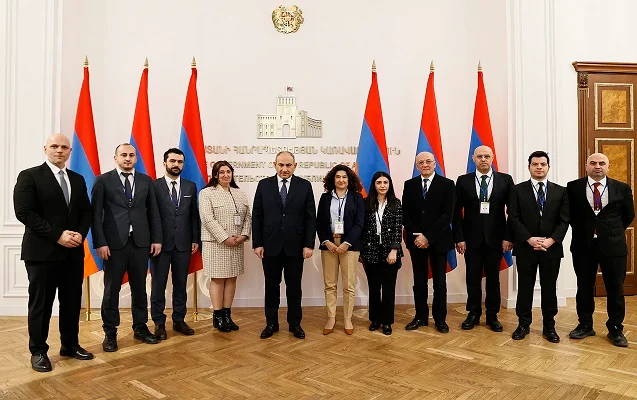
[424,188]
[484,188]
[173,193]
[541,197]
[284,191]
[128,190]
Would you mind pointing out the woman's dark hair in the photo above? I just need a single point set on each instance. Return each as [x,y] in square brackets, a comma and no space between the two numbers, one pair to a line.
[353,181]
[214,174]
[371,202]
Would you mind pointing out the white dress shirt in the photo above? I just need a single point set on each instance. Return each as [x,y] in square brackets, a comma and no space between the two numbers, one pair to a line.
[131,179]
[536,187]
[280,182]
[56,173]
[169,182]
[602,190]
[478,180]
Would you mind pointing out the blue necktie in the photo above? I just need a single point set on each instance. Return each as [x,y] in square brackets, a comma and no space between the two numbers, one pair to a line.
[284,191]
[541,196]
[424,188]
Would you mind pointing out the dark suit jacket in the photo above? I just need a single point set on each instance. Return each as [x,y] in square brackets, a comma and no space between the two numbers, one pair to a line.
[469,225]
[353,217]
[526,222]
[391,231]
[289,228]
[431,217]
[610,223]
[112,216]
[180,227]
[39,204]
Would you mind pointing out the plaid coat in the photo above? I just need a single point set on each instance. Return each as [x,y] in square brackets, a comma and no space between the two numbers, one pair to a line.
[391,234]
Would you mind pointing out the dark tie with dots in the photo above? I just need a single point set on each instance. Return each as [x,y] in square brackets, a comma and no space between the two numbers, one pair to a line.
[484,188]
[173,193]
[541,196]
[284,191]
[128,190]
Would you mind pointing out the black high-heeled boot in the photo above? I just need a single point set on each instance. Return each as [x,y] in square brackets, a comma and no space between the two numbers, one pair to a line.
[229,321]
[219,321]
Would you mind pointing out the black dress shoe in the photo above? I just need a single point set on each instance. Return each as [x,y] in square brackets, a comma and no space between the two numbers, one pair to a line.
[416,323]
[387,329]
[617,338]
[520,332]
[41,363]
[471,321]
[495,325]
[374,326]
[145,336]
[442,327]
[76,352]
[183,328]
[109,344]
[550,334]
[581,332]
[297,331]
[160,332]
[269,330]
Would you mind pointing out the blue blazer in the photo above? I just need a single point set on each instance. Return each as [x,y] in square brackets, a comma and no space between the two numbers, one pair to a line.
[353,217]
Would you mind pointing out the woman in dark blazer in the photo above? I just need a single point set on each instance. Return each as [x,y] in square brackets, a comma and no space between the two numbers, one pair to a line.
[382,249]
[339,223]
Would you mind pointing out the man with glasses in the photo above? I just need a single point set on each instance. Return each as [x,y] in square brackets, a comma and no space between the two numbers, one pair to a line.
[481,234]
[428,203]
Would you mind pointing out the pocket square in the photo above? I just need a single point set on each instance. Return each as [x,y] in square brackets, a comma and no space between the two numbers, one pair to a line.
[188,195]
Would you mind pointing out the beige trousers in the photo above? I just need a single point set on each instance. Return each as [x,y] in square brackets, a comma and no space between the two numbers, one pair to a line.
[348,263]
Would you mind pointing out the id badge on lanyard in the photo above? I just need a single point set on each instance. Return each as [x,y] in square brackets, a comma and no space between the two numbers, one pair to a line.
[339,227]
[237,220]
[484,207]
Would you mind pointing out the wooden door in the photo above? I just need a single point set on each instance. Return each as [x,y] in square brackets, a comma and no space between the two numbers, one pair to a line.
[606,112]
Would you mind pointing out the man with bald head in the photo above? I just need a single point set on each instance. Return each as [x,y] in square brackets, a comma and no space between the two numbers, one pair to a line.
[52,203]
[428,204]
[481,233]
[601,209]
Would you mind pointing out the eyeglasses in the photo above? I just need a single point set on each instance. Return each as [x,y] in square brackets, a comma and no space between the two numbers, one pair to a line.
[428,162]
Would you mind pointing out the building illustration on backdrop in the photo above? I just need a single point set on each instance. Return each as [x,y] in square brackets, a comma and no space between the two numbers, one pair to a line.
[288,122]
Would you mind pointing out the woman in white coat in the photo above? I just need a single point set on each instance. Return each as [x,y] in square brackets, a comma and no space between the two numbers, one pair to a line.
[226,223]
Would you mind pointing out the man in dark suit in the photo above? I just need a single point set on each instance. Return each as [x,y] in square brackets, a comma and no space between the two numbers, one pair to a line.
[177,202]
[283,230]
[601,210]
[538,215]
[481,233]
[126,228]
[428,203]
[52,203]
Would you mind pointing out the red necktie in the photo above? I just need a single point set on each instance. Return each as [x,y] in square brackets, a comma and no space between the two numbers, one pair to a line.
[597,197]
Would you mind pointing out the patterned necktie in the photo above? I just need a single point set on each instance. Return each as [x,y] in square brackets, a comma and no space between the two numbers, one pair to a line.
[65,187]
[541,196]
[284,191]
[128,190]
[484,188]
[424,188]
[597,197]
[173,193]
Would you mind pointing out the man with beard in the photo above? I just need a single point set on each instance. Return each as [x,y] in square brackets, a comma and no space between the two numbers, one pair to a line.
[126,228]
[177,202]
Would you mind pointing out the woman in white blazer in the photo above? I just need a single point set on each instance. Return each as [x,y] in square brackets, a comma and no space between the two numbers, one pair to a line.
[226,223]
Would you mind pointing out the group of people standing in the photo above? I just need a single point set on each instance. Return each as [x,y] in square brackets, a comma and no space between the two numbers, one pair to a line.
[138,223]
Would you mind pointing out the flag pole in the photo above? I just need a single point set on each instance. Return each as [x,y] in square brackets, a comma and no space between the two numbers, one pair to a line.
[195,314]
[88,298]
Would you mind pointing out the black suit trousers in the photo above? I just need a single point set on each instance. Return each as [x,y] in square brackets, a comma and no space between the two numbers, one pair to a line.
[487,259]
[420,259]
[292,269]
[134,260]
[177,262]
[614,272]
[44,279]
[381,279]
[527,272]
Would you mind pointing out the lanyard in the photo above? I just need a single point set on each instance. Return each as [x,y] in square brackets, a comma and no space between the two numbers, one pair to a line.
[484,193]
[600,196]
[537,195]
[340,203]
[381,207]
[235,203]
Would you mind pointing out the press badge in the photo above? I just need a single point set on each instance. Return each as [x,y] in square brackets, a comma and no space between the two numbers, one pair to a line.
[484,207]
[237,220]
[339,227]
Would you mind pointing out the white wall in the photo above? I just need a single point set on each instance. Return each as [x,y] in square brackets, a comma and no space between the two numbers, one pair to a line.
[526,52]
